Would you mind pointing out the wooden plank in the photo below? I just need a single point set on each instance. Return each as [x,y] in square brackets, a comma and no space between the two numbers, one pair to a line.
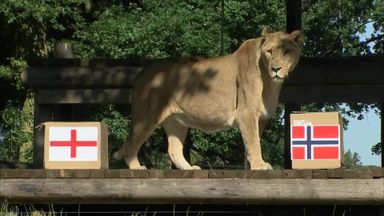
[335,173]
[127,173]
[297,174]
[264,174]
[75,173]
[289,94]
[355,70]
[3,173]
[203,174]
[352,70]
[319,174]
[155,173]
[178,174]
[112,173]
[88,96]
[304,174]
[23,173]
[226,174]
[378,172]
[331,93]
[219,191]
[213,174]
[357,174]
[75,77]
[289,174]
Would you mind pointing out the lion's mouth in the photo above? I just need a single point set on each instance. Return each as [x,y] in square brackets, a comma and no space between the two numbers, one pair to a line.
[275,76]
[277,79]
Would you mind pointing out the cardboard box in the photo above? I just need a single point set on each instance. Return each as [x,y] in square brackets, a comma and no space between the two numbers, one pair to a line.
[75,145]
[316,140]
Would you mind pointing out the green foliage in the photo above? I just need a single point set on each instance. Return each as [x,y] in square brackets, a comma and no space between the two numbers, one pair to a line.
[12,72]
[29,25]
[118,124]
[376,149]
[332,27]
[151,30]
[218,150]
[352,160]
[13,134]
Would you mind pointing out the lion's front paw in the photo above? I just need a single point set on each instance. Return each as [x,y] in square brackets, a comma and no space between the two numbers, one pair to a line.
[196,167]
[262,166]
[138,168]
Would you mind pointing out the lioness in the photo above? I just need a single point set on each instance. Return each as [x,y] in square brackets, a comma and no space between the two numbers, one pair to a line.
[212,94]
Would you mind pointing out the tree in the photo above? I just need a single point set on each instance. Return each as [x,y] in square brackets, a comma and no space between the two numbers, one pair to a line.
[352,160]
[29,27]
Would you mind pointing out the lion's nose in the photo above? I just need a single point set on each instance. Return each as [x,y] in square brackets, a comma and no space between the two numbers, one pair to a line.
[275,68]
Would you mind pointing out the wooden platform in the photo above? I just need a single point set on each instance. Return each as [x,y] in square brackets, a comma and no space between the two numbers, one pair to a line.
[193,187]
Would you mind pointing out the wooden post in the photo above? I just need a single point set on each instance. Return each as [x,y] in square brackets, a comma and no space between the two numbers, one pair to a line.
[382,133]
[293,15]
[293,22]
[42,114]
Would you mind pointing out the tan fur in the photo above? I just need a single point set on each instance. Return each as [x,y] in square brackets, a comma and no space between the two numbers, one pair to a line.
[212,94]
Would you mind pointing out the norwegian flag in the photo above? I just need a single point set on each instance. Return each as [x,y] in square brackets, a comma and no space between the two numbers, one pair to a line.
[73,144]
[312,142]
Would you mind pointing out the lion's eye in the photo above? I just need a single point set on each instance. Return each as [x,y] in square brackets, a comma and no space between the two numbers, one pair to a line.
[287,51]
[269,51]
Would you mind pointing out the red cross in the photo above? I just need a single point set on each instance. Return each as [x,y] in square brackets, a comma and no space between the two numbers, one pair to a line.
[73,143]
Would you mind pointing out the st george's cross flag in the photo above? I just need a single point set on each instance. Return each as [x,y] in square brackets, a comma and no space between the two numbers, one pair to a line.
[75,145]
[315,142]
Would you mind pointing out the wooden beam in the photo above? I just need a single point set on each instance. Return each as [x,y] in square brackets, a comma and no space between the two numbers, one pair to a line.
[191,191]
[289,94]
[362,70]
[382,132]
[86,96]
[80,77]
[332,94]
[374,173]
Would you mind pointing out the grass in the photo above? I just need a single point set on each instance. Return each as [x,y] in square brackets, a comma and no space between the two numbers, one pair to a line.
[7,210]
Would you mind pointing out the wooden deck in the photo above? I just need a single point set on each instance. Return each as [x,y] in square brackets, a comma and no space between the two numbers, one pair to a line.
[193,187]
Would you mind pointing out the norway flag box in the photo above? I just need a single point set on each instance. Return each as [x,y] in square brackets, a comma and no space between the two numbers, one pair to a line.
[316,140]
[75,145]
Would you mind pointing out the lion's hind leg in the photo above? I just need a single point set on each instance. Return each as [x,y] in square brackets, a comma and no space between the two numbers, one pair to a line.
[176,133]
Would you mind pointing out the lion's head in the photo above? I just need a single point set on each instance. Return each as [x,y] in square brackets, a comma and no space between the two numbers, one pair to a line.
[280,53]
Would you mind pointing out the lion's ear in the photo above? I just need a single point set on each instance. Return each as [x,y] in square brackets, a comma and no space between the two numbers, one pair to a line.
[297,37]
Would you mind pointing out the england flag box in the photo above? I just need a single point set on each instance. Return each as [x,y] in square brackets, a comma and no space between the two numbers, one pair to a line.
[75,145]
[316,140]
